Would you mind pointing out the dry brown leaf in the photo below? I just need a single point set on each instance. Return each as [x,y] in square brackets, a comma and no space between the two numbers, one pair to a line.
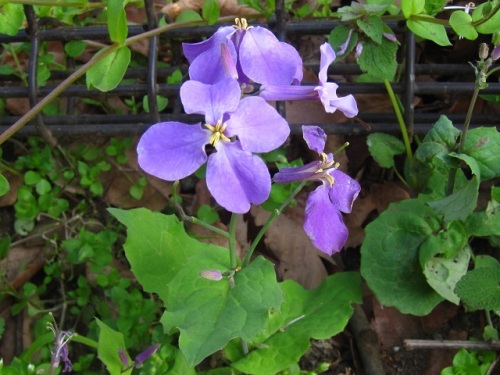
[119,179]
[297,258]
[362,207]
[227,8]
[15,181]
[392,327]
[387,193]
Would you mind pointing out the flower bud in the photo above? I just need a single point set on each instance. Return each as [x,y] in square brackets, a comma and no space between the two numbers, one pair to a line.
[484,51]
[495,54]
[141,357]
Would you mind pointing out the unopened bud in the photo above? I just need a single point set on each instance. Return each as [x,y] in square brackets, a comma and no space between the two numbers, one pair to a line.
[123,357]
[484,51]
[495,54]
[141,357]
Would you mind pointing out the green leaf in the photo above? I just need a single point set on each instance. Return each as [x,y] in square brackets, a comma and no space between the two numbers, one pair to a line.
[319,314]
[379,60]
[75,48]
[410,7]
[5,242]
[11,18]
[109,72]
[31,178]
[479,289]
[484,223]
[157,247]
[372,27]
[4,185]
[207,214]
[117,21]
[429,30]
[383,148]
[210,313]
[109,344]
[210,11]
[188,15]
[161,102]
[338,36]
[443,274]
[444,133]
[433,7]
[43,186]
[460,204]
[390,257]
[461,23]
[483,144]
[491,25]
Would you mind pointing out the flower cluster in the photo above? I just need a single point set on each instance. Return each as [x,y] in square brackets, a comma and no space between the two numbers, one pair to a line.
[238,127]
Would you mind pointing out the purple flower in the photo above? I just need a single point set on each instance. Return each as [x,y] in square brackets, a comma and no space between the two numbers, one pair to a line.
[245,53]
[325,91]
[337,192]
[144,355]
[60,351]
[235,128]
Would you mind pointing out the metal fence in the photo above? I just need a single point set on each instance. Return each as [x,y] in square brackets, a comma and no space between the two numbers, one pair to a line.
[145,80]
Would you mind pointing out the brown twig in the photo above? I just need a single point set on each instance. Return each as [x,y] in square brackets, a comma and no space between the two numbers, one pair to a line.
[451,344]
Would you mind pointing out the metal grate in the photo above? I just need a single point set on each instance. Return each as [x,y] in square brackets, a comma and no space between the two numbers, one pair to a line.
[146,81]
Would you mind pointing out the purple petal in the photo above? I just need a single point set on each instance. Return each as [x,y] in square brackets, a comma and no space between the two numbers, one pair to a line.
[172,150]
[343,46]
[359,49]
[148,352]
[295,59]
[213,101]
[229,57]
[327,57]
[315,137]
[272,92]
[390,36]
[259,127]
[323,223]
[302,173]
[331,102]
[344,191]
[209,67]
[495,54]
[193,50]
[214,275]
[264,60]
[236,178]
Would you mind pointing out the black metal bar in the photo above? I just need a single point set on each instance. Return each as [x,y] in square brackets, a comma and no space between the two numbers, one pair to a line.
[33,72]
[152,61]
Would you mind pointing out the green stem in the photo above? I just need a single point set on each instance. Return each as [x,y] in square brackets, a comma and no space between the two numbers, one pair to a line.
[85,341]
[268,222]
[453,171]
[492,71]
[84,68]
[212,228]
[21,74]
[401,121]
[468,117]
[438,21]
[490,15]
[232,241]
[55,3]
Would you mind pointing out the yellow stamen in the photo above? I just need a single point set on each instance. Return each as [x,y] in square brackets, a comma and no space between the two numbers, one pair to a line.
[217,132]
[241,24]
